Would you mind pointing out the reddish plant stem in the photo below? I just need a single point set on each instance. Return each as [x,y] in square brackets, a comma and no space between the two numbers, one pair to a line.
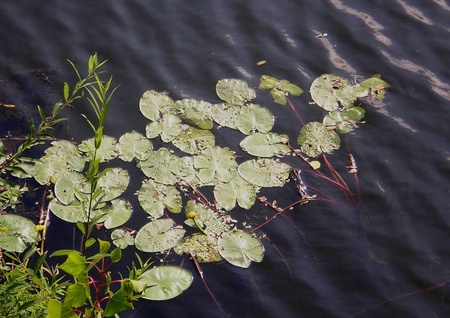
[295,112]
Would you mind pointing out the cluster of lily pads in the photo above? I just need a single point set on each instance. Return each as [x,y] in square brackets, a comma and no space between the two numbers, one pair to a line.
[190,159]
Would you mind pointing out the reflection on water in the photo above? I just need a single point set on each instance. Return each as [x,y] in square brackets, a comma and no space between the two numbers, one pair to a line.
[321,261]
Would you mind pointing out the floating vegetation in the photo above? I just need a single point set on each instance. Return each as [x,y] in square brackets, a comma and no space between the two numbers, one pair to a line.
[189,163]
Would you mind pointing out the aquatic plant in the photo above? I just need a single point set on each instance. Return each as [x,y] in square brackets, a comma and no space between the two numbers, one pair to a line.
[180,176]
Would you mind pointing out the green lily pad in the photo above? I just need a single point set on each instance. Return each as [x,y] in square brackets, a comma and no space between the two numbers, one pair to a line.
[330,91]
[265,145]
[215,163]
[68,152]
[68,184]
[225,115]
[237,190]
[73,212]
[50,168]
[196,113]
[107,150]
[115,214]
[16,233]
[158,236]
[254,118]
[159,166]
[278,96]
[202,246]
[122,238]
[240,248]
[165,282]
[234,91]
[315,138]
[290,88]
[345,120]
[265,172]
[267,82]
[113,183]
[154,197]
[133,145]
[211,222]
[152,103]
[193,140]
[374,85]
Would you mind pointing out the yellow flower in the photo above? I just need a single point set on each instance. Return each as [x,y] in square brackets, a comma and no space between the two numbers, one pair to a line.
[39,227]
[191,215]
[4,229]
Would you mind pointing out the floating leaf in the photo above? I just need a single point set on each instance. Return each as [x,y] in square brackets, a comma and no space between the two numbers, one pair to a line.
[171,127]
[265,172]
[290,88]
[68,152]
[278,96]
[16,233]
[240,248]
[238,189]
[153,129]
[315,138]
[68,184]
[159,166]
[329,91]
[152,103]
[196,113]
[107,150]
[225,115]
[113,183]
[202,246]
[267,82]
[212,223]
[193,140]
[49,168]
[254,118]
[215,162]
[133,145]
[154,197]
[375,86]
[115,214]
[165,282]
[344,121]
[158,235]
[234,91]
[122,238]
[265,145]
[73,212]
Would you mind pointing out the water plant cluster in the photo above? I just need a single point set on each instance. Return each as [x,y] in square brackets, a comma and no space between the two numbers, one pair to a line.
[192,190]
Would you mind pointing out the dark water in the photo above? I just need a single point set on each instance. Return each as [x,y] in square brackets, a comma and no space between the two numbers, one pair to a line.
[335,262]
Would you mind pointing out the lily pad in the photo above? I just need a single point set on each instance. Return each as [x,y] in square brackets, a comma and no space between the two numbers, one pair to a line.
[154,197]
[240,248]
[265,145]
[254,118]
[16,233]
[225,115]
[234,91]
[68,152]
[115,214]
[193,140]
[165,282]
[158,235]
[122,238]
[133,145]
[159,166]
[330,91]
[105,152]
[113,183]
[315,138]
[374,85]
[152,103]
[345,120]
[68,184]
[49,168]
[265,172]
[215,162]
[202,246]
[211,223]
[237,190]
[196,113]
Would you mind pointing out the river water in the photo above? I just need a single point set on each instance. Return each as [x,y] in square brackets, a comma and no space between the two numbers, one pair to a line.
[322,260]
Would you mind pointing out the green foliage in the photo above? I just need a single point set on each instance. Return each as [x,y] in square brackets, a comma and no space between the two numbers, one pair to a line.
[189,163]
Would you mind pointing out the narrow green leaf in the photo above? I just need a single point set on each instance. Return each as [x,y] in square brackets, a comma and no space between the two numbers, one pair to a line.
[66,91]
